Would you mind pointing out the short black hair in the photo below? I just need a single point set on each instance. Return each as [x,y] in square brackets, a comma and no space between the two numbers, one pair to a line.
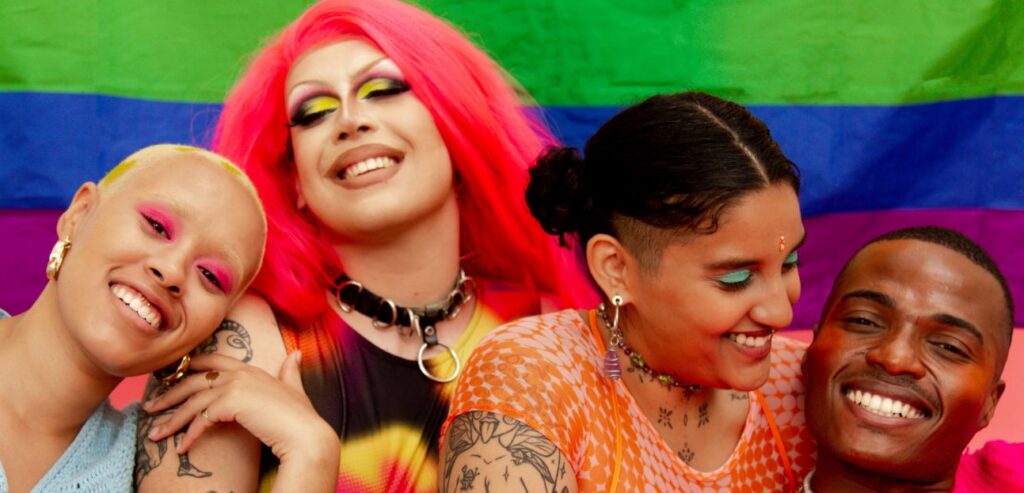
[953,240]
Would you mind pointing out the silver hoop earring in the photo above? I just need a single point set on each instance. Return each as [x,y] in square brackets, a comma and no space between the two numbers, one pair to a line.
[612,368]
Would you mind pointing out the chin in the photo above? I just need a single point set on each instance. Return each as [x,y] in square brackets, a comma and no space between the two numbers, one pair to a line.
[745,383]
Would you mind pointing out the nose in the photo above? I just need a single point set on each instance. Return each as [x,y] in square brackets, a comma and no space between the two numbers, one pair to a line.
[168,271]
[775,310]
[897,352]
[351,122]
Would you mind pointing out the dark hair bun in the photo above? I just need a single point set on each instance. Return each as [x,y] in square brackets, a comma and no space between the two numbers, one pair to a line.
[557,194]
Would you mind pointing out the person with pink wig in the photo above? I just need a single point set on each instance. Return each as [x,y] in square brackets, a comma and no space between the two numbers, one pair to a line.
[391,156]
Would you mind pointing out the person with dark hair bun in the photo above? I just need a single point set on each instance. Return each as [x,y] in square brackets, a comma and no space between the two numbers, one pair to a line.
[686,214]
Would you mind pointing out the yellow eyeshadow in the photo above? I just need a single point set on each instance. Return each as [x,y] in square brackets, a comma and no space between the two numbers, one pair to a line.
[319,104]
[373,85]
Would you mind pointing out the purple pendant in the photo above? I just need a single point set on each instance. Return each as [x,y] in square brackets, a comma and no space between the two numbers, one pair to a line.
[611,365]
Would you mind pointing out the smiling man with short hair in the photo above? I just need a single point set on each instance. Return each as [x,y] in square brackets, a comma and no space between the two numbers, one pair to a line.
[906,362]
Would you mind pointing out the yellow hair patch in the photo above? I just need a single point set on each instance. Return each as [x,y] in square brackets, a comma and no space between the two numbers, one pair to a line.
[118,171]
[232,168]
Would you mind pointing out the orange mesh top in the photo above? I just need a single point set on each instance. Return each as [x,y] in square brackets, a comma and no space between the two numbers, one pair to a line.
[546,372]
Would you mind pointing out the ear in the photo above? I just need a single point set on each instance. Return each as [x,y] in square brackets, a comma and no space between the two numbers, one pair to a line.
[610,265]
[84,201]
[989,409]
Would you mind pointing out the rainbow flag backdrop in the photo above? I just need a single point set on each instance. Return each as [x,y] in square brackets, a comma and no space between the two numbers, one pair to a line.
[897,113]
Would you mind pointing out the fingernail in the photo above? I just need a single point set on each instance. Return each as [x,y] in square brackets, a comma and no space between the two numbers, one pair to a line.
[155,432]
[148,404]
[298,356]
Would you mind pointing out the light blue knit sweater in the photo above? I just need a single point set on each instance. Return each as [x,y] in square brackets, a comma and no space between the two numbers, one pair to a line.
[100,459]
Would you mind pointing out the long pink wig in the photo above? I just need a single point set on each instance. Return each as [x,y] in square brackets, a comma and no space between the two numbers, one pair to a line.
[490,139]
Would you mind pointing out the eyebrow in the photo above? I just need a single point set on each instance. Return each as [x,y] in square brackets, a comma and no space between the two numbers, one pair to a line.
[360,71]
[741,263]
[942,318]
[869,295]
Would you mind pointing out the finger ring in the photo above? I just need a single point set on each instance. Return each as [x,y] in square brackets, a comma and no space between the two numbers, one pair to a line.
[206,414]
[211,376]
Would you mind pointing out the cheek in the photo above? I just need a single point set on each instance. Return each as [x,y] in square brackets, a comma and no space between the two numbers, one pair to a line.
[205,315]
[419,126]
[827,352]
[307,146]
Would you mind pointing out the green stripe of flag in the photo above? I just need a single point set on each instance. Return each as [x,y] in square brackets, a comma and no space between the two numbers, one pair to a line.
[565,52]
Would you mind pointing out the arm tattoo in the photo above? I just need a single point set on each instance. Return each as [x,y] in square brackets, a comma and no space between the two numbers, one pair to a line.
[233,335]
[503,451]
[149,455]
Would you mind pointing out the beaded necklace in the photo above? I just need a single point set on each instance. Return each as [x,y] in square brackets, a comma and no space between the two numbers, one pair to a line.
[637,360]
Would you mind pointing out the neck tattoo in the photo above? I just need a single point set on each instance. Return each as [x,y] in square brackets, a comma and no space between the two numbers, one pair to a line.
[639,365]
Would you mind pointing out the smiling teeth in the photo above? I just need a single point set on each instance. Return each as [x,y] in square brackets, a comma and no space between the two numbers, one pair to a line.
[368,165]
[883,406]
[750,341]
[137,303]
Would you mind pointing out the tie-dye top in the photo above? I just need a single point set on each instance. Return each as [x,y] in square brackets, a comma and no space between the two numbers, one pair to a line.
[546,372]
[387,414]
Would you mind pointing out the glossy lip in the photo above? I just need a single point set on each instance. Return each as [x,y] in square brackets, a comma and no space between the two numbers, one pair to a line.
[362,153]
[890,390]
[155,301]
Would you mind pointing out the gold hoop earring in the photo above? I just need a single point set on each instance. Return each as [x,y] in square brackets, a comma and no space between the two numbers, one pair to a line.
[60,249]
[179,372]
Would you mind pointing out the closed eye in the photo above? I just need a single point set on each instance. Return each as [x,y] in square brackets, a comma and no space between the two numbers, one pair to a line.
[791,262]
[313,110]
[379,87]
[735,280]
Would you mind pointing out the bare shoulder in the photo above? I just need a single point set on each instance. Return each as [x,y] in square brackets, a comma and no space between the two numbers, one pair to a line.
[487,451]
[249,333]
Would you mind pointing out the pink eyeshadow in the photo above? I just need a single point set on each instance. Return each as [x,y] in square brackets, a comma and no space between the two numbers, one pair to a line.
[159,215]
[222,273]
